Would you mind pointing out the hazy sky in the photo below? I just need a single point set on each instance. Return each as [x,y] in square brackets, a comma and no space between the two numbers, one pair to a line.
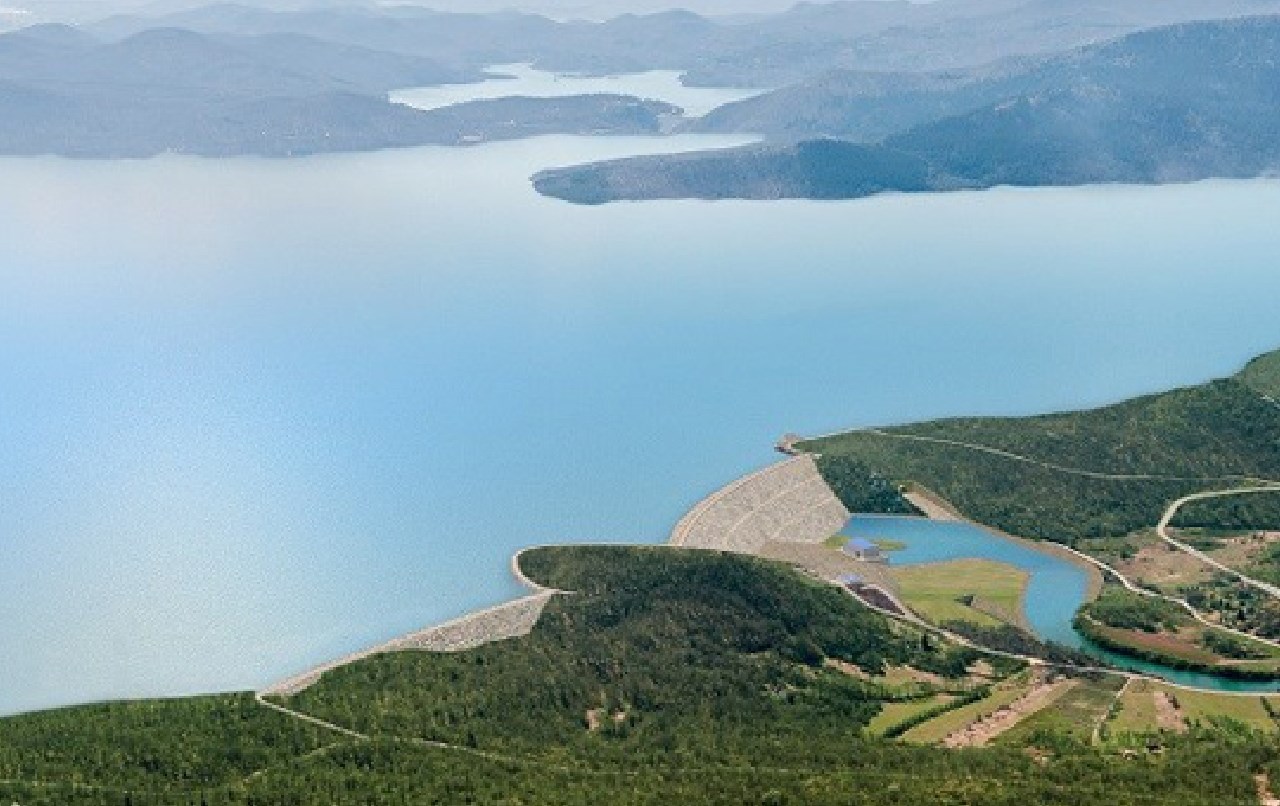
[597,9]
[587,9]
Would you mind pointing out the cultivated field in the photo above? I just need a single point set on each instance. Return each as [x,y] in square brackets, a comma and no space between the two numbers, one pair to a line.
[978,591]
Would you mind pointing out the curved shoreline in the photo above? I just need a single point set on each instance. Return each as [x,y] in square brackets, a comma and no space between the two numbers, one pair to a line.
[756,501]
[936,507]
[817,515]
[1100,570]
[504,620]
[930,503]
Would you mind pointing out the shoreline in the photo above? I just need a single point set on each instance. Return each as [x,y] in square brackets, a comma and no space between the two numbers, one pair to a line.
[931,505]
[760,505]
[474,629]
[948,512]
[508,619]
[444,636]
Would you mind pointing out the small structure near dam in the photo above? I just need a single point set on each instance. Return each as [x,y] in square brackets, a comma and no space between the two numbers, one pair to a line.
[859,548]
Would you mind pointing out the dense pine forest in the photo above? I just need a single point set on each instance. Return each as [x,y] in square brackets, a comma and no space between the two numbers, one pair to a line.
[1136,457]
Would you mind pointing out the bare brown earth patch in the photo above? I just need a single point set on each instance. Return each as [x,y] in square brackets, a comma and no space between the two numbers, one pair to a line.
[847,668]
[1168,713]
[1265,796]
[1164,567]
[906,674]
[934,506]
[1183,644]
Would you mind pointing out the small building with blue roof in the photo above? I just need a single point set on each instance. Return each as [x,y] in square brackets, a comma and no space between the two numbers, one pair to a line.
[859,548]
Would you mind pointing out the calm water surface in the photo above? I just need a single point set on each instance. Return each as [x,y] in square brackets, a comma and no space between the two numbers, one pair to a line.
[1055,589]
[257,413]
[522,79]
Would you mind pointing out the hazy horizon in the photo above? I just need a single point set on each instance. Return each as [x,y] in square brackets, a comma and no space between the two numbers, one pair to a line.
[23,12]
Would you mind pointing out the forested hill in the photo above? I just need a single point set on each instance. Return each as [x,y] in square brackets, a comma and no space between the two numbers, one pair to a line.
[815,169]
[1174,104]
[672,676]
[1103,472]
[1184,63]
[1262,374]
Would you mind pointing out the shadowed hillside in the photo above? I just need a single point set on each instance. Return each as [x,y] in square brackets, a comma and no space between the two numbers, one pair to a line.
[1175,104]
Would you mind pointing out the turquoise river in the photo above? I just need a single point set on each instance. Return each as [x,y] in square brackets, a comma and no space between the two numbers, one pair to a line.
[1055,589]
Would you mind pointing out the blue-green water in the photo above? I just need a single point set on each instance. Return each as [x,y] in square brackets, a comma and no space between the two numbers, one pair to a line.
[255,413]
[1055,590]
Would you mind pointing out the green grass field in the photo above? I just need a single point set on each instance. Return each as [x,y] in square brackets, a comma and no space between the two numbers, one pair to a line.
[935,590]
[1137,712]
[837,541]
[887,544]
[895,713]
[1204,706]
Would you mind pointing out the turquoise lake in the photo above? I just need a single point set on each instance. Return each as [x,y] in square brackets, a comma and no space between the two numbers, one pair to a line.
[255,413]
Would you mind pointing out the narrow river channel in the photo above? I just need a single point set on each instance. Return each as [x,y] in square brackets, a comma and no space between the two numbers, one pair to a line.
[1055,591]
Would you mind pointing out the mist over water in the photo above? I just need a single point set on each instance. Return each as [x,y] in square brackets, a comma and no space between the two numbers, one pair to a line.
[258,413]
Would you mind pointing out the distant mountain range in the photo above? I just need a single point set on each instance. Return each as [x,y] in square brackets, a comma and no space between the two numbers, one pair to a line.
[763,51]
[1178,103]
[231,79]
[170,90]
